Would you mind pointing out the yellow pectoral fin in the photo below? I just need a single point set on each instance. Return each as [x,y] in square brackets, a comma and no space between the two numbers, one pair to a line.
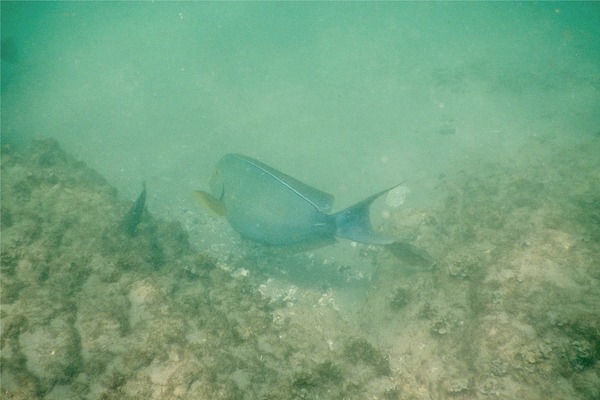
[210,202]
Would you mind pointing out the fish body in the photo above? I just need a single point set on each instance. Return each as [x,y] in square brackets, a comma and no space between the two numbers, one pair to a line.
[134,216]
[270,207]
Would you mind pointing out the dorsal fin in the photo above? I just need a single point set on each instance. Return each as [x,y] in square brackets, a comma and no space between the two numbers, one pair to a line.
[322,201]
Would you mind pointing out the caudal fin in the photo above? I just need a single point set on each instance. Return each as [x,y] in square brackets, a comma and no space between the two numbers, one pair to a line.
[354,222]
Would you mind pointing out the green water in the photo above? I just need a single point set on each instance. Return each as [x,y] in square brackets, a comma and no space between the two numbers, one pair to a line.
[351,97]
[487,111]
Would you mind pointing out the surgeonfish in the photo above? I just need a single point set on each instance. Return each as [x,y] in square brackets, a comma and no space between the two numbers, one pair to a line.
[267,206]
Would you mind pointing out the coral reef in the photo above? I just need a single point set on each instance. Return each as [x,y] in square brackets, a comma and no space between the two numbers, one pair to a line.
[493,294]
[509,309]
[90,311]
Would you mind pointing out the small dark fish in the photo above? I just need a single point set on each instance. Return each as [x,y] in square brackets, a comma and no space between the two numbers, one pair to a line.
[270,207]
[411,255]
[134,215]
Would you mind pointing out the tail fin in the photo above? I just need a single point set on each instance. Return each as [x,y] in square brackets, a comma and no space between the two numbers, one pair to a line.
[354,222]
